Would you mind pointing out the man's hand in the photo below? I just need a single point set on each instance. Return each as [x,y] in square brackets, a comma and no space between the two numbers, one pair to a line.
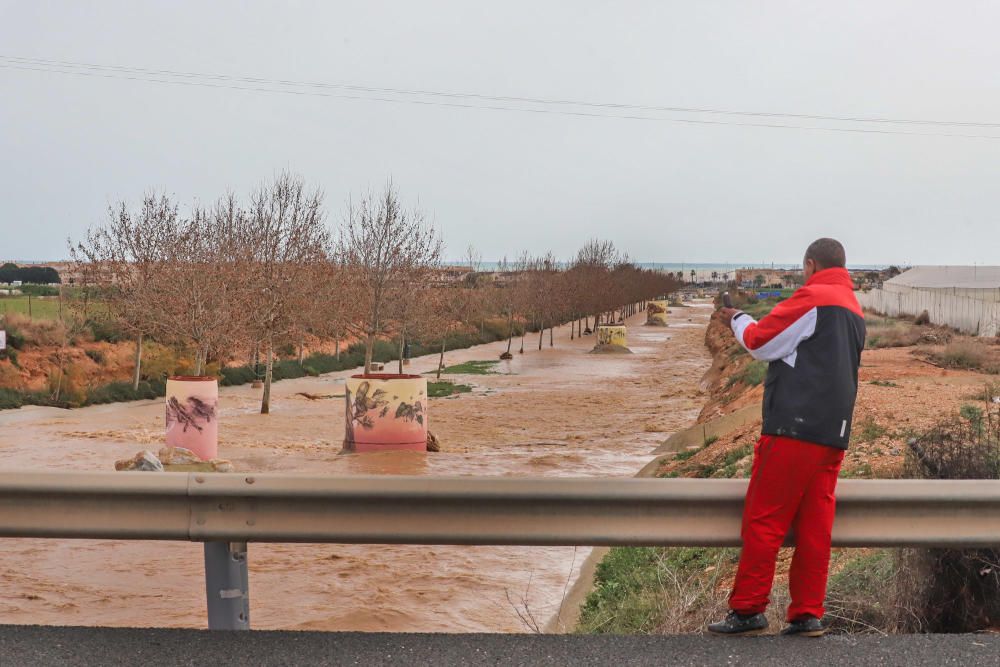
[726,315]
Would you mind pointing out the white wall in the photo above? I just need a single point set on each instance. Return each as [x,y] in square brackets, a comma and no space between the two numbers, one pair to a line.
[972,316]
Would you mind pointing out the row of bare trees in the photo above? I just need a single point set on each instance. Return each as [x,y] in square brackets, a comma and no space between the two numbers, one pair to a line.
[599,286]
[241,277]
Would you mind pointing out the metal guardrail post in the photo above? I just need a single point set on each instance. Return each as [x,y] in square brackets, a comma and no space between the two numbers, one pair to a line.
[227,585]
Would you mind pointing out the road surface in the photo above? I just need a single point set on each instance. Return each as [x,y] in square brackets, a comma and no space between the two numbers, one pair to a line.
[42,646]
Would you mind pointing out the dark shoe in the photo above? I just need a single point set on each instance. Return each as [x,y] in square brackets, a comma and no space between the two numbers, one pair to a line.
[805,626]
[739,624]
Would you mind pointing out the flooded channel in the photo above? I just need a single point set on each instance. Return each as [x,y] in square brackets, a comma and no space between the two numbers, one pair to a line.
[554,412]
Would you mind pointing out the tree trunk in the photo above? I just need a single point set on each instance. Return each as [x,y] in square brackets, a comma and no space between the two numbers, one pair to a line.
[551,334]
[265,404]
[444,340]
[338,349]
[369,346]
[541,334]
[138,363]
[572,328]
[510,332]
[402,341]
[302,344]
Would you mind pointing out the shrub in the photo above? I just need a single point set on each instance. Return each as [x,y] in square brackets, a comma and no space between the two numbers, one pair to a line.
[653,589]
[287,369]
[954,590]
[868,430]
[328,363]
[123,391]
[10,378]
[754,373]
[903,335]
[10,354]
[443,388]
[988,394]
[861,595]
[105,329]
[10,399]
[23,331]
[68,385]
[236,375]
[96,356]
[159,361]
[15,338]
[965,354]
[685,454]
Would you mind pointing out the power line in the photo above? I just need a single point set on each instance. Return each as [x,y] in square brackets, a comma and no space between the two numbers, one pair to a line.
[493,98]
[288,88]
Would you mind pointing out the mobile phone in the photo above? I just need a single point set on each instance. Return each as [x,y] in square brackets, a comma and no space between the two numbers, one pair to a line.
[727,300]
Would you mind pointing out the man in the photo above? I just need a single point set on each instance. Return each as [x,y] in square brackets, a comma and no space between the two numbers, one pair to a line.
[813,341]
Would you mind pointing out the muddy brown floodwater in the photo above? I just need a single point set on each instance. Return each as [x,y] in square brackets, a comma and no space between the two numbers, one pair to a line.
[554,412]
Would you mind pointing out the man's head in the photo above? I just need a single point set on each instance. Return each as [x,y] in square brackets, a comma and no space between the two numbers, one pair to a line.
[823,254]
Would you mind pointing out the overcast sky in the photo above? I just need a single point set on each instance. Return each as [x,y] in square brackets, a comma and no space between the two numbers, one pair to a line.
[507,180]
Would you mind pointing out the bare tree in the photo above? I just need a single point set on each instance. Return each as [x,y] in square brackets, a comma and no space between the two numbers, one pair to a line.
[283,240]
[474,259]
[334,305]
[411,313]
[124,259]
[384,247]
[505,298]
[197,276]
[454,308]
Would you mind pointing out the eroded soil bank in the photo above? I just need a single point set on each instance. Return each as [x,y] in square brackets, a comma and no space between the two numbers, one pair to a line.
[557,412]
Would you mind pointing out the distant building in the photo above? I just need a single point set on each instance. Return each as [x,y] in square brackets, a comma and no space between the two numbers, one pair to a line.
[450,275]
[768,278]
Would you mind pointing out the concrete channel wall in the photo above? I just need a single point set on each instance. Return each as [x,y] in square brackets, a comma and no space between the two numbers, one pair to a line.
[971,316]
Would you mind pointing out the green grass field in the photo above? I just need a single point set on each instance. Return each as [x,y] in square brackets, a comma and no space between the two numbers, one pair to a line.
[46,308]
[472,368]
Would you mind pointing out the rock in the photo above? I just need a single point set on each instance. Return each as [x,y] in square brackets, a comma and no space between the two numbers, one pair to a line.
[923,318]
[222,465]
[144,461]
[177,456]
[506,355]
[433,444]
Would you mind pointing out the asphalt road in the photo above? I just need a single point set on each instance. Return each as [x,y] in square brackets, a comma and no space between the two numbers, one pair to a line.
[42,646]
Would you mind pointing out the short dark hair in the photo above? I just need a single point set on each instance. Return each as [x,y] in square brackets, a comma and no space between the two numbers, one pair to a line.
[827,253]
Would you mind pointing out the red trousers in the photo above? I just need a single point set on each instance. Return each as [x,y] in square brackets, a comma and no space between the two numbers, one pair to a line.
[792,487]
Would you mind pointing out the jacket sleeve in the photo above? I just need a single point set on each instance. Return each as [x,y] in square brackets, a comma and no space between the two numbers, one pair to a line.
[777,336]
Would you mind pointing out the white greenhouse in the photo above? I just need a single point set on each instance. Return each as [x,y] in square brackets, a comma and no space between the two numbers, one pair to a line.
[964,297]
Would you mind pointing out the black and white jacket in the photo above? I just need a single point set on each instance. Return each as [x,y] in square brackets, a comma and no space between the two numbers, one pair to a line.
[813,341]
